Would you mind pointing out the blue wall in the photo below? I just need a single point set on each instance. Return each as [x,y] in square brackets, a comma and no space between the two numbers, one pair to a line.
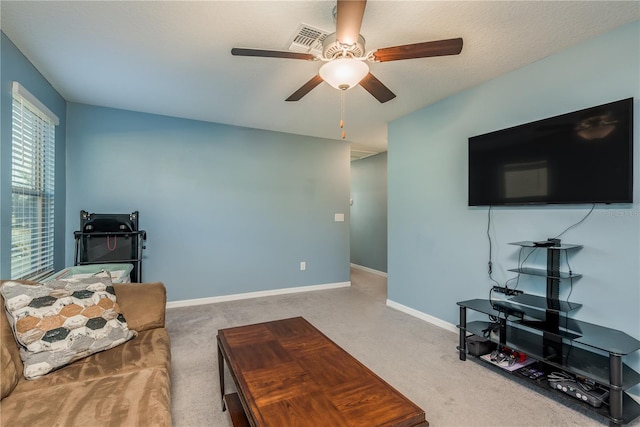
[227,210]
[369,212]
[15,67]
[438,247]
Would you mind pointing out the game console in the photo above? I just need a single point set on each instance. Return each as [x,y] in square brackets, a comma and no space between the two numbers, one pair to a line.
[591,394]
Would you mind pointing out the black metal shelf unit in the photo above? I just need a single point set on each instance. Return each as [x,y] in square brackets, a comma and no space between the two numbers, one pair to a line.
[110,239]
[541,328]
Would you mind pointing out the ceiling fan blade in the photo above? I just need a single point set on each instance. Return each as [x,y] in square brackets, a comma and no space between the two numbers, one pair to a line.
[375,87]
[305,89]
[271,53]
[419,50]
[349,16]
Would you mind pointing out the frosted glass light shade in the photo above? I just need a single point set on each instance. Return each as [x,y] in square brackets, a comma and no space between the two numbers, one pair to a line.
[344,73]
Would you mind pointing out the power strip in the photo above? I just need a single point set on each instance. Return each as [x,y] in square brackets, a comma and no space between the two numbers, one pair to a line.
[506,291]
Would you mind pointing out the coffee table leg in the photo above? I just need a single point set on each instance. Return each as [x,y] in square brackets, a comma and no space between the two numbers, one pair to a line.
[221,375]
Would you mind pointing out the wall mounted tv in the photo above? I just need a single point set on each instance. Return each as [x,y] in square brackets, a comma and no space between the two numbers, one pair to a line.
[580,157]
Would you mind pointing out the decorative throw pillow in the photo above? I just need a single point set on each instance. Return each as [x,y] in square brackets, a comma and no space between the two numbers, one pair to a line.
[63,320]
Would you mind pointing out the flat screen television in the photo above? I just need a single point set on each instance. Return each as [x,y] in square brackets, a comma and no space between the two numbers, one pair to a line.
[581,157]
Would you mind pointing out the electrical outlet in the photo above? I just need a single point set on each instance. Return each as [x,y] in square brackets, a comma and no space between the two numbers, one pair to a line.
[303,265]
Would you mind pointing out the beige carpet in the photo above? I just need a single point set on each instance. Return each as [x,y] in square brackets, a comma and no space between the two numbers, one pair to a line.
[417,358]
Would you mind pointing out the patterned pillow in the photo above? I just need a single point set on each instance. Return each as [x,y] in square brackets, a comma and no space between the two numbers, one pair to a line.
[63,320]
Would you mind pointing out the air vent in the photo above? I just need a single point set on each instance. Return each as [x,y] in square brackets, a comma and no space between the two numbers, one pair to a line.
[308,39]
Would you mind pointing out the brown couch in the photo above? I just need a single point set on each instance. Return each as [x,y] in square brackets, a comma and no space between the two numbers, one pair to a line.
[128,385]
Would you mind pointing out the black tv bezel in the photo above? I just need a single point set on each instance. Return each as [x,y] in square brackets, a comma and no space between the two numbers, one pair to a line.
[627,200]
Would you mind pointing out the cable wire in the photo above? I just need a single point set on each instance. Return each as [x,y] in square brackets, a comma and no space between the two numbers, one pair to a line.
[490,264]
[577,223]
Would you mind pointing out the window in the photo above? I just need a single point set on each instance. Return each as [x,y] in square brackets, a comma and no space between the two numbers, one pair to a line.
[32,186]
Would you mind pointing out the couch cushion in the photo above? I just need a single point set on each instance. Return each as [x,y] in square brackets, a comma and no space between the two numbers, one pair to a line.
[63,321]
[8,373]
[143,304]
[150,349]
[137,398]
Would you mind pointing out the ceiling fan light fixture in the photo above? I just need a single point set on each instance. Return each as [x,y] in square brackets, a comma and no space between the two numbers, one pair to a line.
[344,73]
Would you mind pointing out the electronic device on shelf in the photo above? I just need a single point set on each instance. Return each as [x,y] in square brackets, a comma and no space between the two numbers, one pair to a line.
[532,372]
[581,389]
[507,359]
[549,243]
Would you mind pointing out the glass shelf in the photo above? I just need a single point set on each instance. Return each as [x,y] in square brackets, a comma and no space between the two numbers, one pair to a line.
[540,326]
[495,308]
[521,310]
[631,408]
[591,335]
[543,303]
[545,273]
[578,360]
[531,244]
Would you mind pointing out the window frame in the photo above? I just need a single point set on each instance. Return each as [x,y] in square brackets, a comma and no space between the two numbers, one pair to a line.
[33,128]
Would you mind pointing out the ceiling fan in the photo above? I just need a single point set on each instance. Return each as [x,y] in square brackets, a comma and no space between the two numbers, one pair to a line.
[345,57]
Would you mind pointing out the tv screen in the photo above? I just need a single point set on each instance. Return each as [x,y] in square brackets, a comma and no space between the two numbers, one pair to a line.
[581,157]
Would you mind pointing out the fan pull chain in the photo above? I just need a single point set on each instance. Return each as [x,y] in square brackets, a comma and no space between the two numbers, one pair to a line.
[344,133]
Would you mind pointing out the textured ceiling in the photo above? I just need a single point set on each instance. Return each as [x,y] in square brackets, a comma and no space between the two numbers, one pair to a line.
[173,58]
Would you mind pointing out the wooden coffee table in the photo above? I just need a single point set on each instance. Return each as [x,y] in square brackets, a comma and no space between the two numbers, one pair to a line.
[287,373]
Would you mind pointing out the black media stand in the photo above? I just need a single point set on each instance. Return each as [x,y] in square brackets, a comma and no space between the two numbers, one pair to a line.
[541,328]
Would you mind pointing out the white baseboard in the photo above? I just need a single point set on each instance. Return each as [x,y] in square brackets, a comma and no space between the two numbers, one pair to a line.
[258,294]
[423,316]
[370,270]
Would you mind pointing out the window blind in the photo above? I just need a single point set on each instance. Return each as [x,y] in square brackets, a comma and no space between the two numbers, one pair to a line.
[32,187]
